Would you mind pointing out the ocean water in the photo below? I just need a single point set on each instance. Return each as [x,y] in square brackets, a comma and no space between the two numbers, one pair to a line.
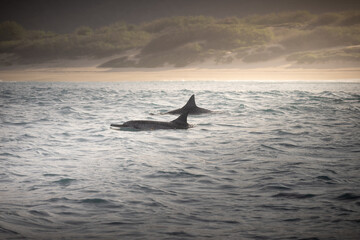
[277,160]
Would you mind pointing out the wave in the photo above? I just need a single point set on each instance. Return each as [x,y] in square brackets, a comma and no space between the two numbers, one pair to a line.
[294,195]
[348,197]
[95,201]
[177,174]
[65,181]
[325,178]
[264,161]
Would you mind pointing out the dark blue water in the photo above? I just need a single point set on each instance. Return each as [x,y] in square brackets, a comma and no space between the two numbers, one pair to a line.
[276,161]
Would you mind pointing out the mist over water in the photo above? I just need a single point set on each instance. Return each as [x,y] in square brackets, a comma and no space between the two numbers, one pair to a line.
[275,161]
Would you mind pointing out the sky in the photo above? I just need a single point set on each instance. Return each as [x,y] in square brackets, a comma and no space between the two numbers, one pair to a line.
[66,15]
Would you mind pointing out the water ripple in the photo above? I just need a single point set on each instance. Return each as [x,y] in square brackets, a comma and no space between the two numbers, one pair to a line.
[274,161]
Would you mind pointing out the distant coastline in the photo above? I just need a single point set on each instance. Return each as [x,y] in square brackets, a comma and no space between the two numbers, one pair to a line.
[87,70]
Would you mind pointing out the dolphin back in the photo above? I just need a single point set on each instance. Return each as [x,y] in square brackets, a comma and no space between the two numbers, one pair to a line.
[181,121]
[178,123]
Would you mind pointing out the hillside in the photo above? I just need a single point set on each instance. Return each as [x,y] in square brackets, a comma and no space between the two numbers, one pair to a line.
[299,37]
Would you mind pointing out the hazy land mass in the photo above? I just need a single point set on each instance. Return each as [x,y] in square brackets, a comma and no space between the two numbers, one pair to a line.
[280,46]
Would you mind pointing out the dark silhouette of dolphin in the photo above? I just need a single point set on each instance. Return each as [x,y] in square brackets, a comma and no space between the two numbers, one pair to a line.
[179,123]
[190,107]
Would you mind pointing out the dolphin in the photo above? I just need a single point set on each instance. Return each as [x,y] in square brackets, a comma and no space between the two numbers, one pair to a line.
[178,123]
[191,108]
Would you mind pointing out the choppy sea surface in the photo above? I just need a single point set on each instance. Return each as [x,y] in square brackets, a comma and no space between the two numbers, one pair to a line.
[277,160]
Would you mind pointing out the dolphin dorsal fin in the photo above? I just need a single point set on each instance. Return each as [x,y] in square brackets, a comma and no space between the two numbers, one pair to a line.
[190,102]
[182,119]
